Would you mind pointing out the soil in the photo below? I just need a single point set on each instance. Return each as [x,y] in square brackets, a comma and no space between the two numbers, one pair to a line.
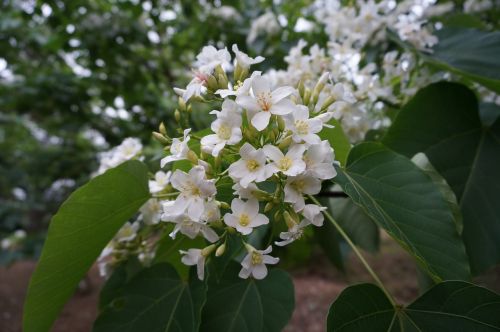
[316,286]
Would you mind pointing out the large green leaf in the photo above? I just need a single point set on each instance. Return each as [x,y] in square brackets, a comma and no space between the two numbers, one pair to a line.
[156,299]
[408,205]
[79,231]
[469,52]
[447,307]
[338,140]
[247,305]
[443,122]
[356,223]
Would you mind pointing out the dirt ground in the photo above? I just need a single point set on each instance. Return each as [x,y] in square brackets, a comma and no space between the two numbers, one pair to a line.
[316,286]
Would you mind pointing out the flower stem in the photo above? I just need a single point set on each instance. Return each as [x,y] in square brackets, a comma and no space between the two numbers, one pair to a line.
[356,251]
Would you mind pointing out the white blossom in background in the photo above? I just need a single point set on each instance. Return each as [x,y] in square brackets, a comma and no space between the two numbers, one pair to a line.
[266,24]
[160,181]
[130,148]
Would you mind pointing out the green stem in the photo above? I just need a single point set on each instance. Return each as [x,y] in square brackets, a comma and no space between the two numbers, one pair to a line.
[356,251]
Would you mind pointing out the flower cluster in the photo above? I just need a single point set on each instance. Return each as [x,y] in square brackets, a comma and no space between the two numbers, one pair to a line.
[370,88]
[255,168]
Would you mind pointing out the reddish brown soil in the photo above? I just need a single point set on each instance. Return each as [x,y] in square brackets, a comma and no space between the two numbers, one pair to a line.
[316,286]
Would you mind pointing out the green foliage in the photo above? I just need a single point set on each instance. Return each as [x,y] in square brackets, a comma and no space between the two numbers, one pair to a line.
[449,306]
[337,139]
[408,205]
[156,299]
[443,122]
[86,222]
[235,304]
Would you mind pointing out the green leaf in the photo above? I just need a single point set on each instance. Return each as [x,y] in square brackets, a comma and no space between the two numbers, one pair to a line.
[447,307]
[408,205]
[471,53]
[421,160]
[329,240]
[361,307]
[79,231]
[337,139]
[443,121]
[356,223]
[156,299]
[247,305]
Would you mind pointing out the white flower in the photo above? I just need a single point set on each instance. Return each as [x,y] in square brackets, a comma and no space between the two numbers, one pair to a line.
[292,234]
[319,160]
[245,216]
[313,214]
[241,89]
[255,261]
[296,186]
[196,88]
[303,128]
[151,211]
[212,211]
[251,167]
[263,102]
[246,193]
[210,57]
[290,164]
[226,128]
[243,60]
[189,227]
[266,23]
[194,189]
[129,148]
[179,149]
[128,232]
[194,257]
[161,180]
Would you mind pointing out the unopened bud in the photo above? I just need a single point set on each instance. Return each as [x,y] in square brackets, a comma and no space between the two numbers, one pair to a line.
[281,124]
[182,104]
[290,222]
[192,157]
[321,83]
[277,216]
[237,72]
[285,143]
[269,206]
[224,205]
[160,138]
[221,250]
[261,195]
[222,80]
[307,96]
[162,129]
[330,100]
[177,115]
[190,108]
[301,88]
[207,250]
[249,247]
[212,83]
[219,71]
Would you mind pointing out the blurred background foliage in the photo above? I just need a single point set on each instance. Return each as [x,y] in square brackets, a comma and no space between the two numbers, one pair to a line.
[77,77]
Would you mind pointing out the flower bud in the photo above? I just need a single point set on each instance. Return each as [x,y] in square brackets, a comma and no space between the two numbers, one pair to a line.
[224,205]
[222,80]
[301,88]
[330,100]
[277,216]
[160,138]
[285,143]
[269,206]
[182,104]
[221,250]
[307,96]
[290,221]
[177,115]
[321,83]
[208,250]
[212,84]
[261,195]
[163,129]
[281,124]
[192,157]
[249,247]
